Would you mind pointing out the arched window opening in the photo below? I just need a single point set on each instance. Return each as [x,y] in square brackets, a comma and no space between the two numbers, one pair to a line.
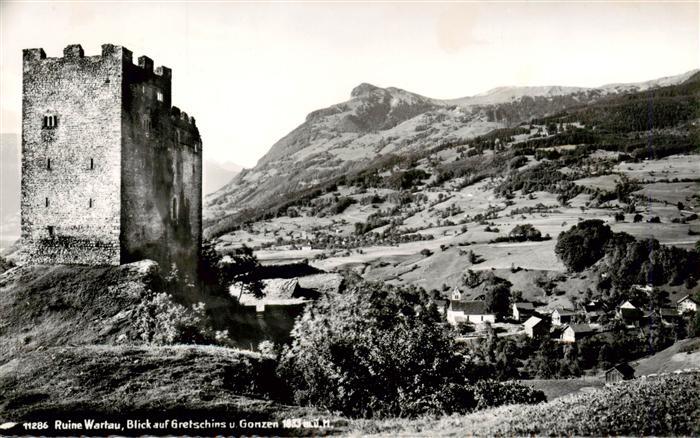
[92,164]
[48,164]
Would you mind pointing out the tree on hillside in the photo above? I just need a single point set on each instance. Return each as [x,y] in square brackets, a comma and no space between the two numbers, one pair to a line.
[629,261]
[375,353]
[583,244]
[545,363]
[234,266]
[383,351]
[497,298]
[523,232]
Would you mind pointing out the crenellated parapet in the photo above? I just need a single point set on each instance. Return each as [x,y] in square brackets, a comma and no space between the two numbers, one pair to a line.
[73,52]
[111,171]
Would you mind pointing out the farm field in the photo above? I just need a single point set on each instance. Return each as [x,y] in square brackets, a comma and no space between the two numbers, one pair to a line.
[444,222]
[675,166]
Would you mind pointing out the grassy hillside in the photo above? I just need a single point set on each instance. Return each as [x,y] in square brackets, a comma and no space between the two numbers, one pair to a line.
[107,343]
[46,306]
[155,383]
[135,304]
[668,405]
[682,355]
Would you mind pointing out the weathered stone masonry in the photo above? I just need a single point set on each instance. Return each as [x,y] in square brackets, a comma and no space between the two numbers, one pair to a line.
[111,172]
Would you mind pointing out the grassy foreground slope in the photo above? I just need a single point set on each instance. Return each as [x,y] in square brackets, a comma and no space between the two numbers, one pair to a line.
[62,305]
[664,406]
[81,342]
[155,383]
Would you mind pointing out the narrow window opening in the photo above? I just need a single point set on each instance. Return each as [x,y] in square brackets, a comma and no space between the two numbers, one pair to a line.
[51,231]
[193,172]
[49,122]
[48,164]
[175,209]
[159,96]
[47,202]
[90,203]
[92,164]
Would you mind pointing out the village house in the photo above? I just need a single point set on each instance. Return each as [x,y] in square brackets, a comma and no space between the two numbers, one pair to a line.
[575,332]
[473,312]
[619,372]
[669,315]
[277,292]
[536,328]
[521,311]
[687,304]
[325,283]
[562,316]
[628,312]
[593,311]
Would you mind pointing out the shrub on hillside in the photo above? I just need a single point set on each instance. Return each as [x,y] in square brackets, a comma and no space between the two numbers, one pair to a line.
[341,205]
[583,244]
[405,180]
[160,321]
[375,352]
[5,264]
[218,271]
[523,232]
[491,393]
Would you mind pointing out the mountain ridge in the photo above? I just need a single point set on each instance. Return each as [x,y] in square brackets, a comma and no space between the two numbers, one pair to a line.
[377,122]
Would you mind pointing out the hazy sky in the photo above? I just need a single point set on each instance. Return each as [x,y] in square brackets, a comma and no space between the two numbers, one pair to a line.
[250,73]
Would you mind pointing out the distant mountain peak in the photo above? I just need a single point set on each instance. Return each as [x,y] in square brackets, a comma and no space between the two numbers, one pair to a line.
[363,89]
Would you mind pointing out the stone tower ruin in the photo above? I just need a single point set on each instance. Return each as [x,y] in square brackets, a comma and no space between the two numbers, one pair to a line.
[111,171]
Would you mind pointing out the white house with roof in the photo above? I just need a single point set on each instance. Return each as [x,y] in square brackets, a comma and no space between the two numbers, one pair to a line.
[562,316]
[536,327]
[628,312]
[687,304]
[473,312]
[521,311]
[575,332]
